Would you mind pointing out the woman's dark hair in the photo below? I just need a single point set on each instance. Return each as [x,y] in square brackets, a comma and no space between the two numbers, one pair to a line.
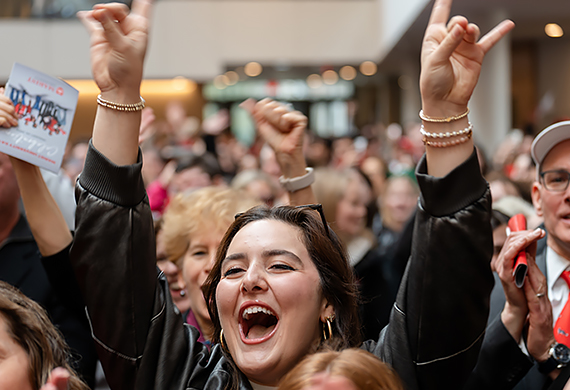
[336,276]
[27,323]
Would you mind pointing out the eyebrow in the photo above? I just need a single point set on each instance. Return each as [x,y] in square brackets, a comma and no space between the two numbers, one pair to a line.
[266,254]
[281,252]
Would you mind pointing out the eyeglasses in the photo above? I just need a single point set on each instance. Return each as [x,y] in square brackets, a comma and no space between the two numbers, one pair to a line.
[555,180]
[316,207]
[319,208]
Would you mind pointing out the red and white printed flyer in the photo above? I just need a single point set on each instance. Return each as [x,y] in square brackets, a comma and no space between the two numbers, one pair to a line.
[45,107]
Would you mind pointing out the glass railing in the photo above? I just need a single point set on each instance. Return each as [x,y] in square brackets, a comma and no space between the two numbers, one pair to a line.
[47,9]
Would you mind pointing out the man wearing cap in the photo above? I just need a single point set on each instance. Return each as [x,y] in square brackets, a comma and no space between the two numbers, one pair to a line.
[504,361]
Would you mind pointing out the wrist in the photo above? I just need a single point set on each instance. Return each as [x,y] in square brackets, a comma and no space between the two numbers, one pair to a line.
[122,95]
[513,319]
[292,166]
[439,109]
[299,182]
[558,357]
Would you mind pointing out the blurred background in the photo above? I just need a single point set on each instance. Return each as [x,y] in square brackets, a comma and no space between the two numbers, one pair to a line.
[352,66]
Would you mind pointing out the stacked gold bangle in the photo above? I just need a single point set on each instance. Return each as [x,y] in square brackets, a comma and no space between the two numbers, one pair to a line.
[431,139]
[120,106]
[426,118]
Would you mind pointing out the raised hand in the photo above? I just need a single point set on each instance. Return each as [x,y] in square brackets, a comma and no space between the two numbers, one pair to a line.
[8,117]
[118,44]
[284,130]
[452,55]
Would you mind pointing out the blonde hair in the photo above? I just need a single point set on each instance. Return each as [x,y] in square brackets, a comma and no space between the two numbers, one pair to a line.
[329,188]
[365,370]
[188,213]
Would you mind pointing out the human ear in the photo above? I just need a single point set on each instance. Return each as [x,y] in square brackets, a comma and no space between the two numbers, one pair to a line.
[537,198]
[327,311]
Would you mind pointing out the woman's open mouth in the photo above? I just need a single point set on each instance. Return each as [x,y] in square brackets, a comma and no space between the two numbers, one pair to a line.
[257,324]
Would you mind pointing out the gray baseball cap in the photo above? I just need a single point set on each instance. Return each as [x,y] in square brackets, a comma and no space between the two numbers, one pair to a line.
[547,139]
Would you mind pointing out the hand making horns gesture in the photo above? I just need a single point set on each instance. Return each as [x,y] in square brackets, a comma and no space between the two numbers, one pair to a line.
[451,58]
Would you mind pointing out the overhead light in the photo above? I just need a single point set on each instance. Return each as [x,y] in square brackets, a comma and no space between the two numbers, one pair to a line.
[368,68]
[232,76]
[181,83]
[253,69]
[330,77]
[177,86]
[221,81]
[314,81]
[553,30]
[347,73]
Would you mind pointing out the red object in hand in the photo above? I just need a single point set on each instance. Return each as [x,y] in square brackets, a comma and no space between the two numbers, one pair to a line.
[520,266]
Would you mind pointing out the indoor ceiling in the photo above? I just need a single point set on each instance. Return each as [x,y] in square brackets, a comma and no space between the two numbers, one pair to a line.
[530,17]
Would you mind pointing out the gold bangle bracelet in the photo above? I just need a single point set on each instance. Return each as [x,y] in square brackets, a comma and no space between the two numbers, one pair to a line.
[121,106]
[446,144]
[426,118]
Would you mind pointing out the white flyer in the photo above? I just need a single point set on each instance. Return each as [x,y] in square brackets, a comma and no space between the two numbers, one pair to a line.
[45,107]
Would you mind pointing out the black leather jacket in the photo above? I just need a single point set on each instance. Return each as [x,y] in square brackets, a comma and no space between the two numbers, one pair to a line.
[436,326]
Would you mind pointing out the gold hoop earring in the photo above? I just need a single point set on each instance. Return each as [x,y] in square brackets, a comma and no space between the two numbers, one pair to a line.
[328,327]
[224,347]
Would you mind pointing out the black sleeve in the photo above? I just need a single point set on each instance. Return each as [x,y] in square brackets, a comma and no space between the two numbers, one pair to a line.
[501,363]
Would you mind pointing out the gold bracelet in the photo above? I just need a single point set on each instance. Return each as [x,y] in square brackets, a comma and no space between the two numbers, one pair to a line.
[445,144]
[426,118]
[120,106]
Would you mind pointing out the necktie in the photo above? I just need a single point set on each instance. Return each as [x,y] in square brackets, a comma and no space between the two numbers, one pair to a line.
[562,325]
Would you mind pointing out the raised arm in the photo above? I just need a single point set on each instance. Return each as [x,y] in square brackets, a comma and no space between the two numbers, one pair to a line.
[44,216]
[284,130]
[439,318]
[451,59]
[118,46]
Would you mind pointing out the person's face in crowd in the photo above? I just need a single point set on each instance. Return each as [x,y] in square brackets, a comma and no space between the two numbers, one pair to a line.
[500,189]
[554,206]
[152,165]
[190,179]
[196,266]
[399,201]
[14,362]
[262,191]
[9,192]
[351,209]
[268,162]
[172,273]
[376,171]
[269,300]
[499,238]
[324,381]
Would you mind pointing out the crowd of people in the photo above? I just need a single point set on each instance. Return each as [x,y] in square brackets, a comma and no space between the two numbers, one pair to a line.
[297,262]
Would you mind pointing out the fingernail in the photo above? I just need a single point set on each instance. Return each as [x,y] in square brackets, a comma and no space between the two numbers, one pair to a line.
[457,31]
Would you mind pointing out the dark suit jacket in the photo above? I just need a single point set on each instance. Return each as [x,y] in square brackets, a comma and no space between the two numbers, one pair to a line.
[21,266]
[502,364]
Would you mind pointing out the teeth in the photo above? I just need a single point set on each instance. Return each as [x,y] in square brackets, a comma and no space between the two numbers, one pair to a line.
[256,309]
